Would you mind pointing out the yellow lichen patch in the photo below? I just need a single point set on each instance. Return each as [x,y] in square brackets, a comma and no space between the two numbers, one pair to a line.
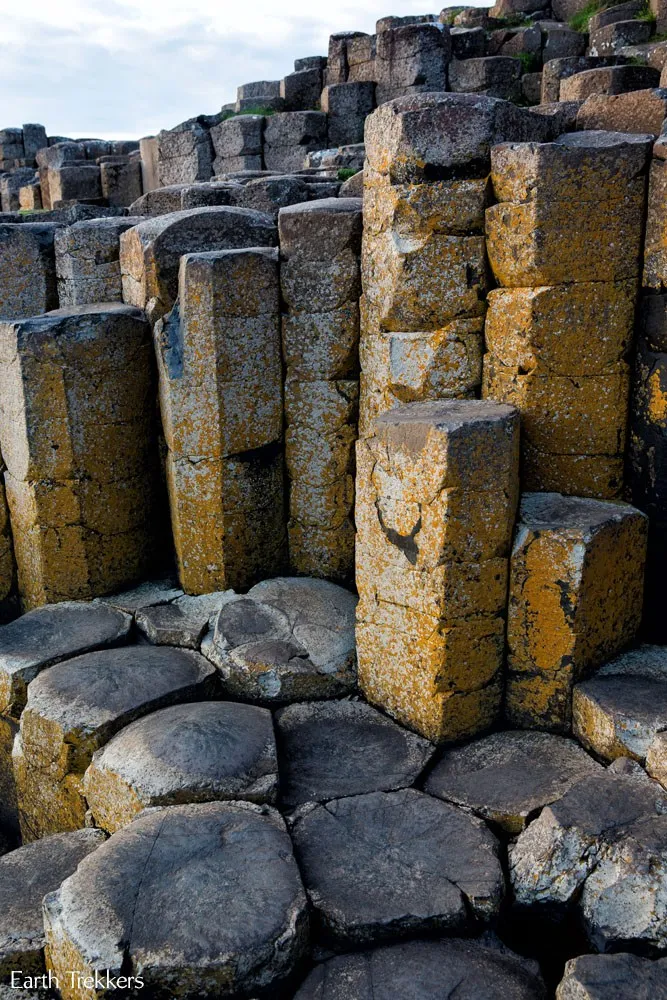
[599,476]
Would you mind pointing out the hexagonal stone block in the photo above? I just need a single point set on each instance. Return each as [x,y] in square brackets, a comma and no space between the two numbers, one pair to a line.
[426,970]
[201,900]
[26,875]
[613,977]
[288,639]
[507,777]
[394,864]
[332,749]
[619,711]
[201,752]
[27,249]
[75,707]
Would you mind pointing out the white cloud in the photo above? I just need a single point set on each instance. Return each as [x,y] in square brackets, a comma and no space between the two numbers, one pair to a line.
[132,67]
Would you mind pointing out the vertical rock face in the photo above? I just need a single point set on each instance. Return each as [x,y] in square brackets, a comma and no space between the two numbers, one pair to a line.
[76,424]
[221,401]
[184,154]
[437,489]
[411,59]
[87,260]
[320,243]
[423,260]
[565,240]
[27,270]
[576,585]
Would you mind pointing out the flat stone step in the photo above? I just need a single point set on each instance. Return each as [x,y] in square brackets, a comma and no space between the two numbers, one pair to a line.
[75,707]
[396,864]
[337,748]
[289,639]
[201,900]
[26,875]
[507,777]
[426,970]
[185,753]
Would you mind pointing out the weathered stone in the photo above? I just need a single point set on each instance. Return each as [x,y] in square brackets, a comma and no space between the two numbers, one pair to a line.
[437,489]
[614,14]
[181,622]
[148,149]
[654,275]
[310,62]
[288,639]
[507,777]
[146,595]
[258,89]
[609,80]
[271,194]
[576,584]
[337,748]
[347,105]
[27,252]
[161,201]
[559,42]
[656,758]
[34,139]
[210,194]
[411,59]
[205,898]
[600,849]
[79,449]
[26,875]
[30,196]
[360,53]
[395,864]
[531,87]
[150,252]
[75,182]
[237,143]
[337,61]
[121,182]
[562,68]
[184,154]
[614,37]
[224,471]
[203,752]
[10,185]
[301,90]
[613,977]
[494,76]
[640,111]
[619,711]
[87,260]
[75,707]
[426,970]
[288,137]
[468,43]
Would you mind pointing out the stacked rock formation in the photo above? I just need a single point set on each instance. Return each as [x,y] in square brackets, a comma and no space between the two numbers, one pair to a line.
[565,244]
[320,243]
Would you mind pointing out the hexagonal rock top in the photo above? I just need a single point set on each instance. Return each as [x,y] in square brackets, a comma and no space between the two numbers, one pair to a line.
[198,752]
[602,849]
[26,875]
[426,970]
[337,748]
[391,864]
[205,900]
[509,776]
[613,977]
[288,639]
[48,635]
[619,711]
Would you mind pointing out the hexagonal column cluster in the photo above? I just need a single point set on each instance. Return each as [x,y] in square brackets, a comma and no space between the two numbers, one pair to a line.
[564,241]
[320,243]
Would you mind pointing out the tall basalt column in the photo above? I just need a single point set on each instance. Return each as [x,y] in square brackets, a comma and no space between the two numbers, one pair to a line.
[77,434]
[564,241]
[221,401]
[424,269]
[437,492]
[320,243]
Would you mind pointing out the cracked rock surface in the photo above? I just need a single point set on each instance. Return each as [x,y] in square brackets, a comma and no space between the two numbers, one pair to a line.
[613,977]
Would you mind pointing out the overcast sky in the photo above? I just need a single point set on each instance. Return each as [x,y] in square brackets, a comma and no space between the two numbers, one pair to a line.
[112,68]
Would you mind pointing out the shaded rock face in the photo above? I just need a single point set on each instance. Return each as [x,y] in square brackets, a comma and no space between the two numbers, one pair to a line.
[613,977]
[26,875]
[334,749]
[198,899]
[425,970]
[601,850]
[394,864]
[288,639]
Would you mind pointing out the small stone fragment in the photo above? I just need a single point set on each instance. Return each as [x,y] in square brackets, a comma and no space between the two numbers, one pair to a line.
[181,622]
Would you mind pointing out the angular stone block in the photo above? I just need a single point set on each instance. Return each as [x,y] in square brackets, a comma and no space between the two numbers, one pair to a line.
[654,275]
[347,105]
[182,621]
[436,496]
[148,148]
[30,196]
[609,80]
[27,250]
[393,864]
[258,89]
[75,707]
[184,155]
[494,76]
[34,139]
[121,182]
[289,137]
[360,52]
[640,111]
[88,260]
[10,185]
[237,143]
[612,977]
[77,424]
[576,587]
[203,752]
[337,61]
[26,876]
[560,42]
[562,68]
[468,43]
[78,182]
[150,253]
[224,469]
[615,37]
[301,90]
[160,201]
[177,914]
[411,59]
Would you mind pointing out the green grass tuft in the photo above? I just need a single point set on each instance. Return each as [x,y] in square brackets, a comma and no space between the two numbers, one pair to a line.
[266,112]
[530,62]
[579,22]
[345,173]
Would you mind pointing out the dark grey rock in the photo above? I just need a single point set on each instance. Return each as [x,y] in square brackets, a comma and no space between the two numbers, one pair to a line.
[203,900]
[393,864]
[181,622]
[507,777]
[27,249]
[332,749]
[495,76]
[146,595]
[613,977]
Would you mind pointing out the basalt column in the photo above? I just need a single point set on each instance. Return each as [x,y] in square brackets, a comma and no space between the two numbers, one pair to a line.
[437,491]
[320,243]
[221,402]
[565,244]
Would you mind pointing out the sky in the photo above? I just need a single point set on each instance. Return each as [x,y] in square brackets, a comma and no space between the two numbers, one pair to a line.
[114,69]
